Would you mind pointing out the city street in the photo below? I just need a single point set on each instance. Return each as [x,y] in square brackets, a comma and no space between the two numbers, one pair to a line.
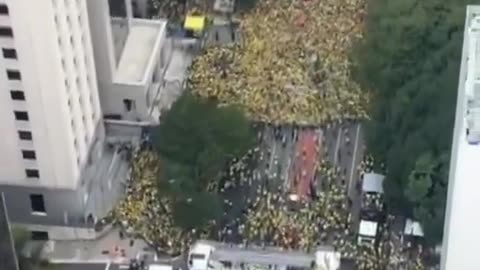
[84,266]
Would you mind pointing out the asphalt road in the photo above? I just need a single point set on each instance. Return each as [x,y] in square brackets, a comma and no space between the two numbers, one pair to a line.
[83,266]
[342,147]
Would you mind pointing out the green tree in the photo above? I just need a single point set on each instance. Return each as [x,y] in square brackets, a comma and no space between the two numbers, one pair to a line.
[33,261]
[410,59]
[196,210]
[245,5]
[196,139]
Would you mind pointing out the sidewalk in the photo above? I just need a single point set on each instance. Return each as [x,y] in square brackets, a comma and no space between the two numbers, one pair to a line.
[109,248]
[175,76]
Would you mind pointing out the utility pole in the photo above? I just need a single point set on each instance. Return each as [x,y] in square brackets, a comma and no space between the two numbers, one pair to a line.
[8,255]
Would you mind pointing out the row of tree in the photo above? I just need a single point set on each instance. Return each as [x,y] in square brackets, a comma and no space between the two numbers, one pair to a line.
[410,58]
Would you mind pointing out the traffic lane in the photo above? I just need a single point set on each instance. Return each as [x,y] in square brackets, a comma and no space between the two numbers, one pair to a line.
[82,266]
[345,153]
[357,155]
[331,138]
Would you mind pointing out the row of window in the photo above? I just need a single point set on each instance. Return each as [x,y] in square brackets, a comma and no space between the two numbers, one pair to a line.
[24,135]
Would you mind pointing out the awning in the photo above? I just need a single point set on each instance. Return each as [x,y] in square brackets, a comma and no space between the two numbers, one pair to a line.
[194,23]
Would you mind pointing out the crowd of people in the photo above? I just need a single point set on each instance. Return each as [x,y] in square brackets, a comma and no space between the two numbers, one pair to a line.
[144,213]
[268,218]
[292,64]
[274,220]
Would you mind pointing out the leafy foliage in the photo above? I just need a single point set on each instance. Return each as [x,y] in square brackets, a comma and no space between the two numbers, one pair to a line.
[196,140]
[33,261]
[410,58]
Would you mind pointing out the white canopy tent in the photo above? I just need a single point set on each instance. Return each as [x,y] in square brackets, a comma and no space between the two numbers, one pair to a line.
[373,182]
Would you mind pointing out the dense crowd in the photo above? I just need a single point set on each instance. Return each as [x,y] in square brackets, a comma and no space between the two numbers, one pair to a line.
[267,219]
[273,220]
[144,213]
[292,64]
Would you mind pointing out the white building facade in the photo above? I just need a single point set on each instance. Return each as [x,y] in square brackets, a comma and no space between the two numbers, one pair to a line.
[462,220]
[131,56]
[50,113]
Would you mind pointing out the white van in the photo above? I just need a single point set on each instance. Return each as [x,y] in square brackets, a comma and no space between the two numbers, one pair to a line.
[199,255]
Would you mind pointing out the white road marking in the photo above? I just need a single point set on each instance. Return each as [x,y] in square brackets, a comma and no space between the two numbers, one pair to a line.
[107,266]
[273,154]
[354,158]
[79,261]
[286,183]
[337,147]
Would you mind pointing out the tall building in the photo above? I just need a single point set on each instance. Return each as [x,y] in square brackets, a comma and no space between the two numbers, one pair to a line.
[50,114]
[462,221]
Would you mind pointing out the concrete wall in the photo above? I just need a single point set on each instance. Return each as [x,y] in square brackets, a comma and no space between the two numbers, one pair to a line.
[102,40]
[113,100]
[63,207]
[62,232]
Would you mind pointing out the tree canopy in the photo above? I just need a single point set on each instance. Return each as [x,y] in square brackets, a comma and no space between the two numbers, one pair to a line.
[410,58]
[196,139]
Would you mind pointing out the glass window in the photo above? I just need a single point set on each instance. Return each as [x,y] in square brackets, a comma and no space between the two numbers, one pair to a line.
[21,115]
[17,95]
[32,173]
[37,203]
[25,135]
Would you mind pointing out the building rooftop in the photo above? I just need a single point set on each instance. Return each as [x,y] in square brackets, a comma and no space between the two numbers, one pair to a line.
[144,37]
[462,221]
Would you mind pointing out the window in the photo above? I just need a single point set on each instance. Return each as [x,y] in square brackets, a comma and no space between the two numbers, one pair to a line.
[17,95]
[6,31]
[37,203]
[25,135]
[21,115]
[129,104]
[39,236]
[29,154]
[32,173]
[3,9]
[9,53]
[13,74]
